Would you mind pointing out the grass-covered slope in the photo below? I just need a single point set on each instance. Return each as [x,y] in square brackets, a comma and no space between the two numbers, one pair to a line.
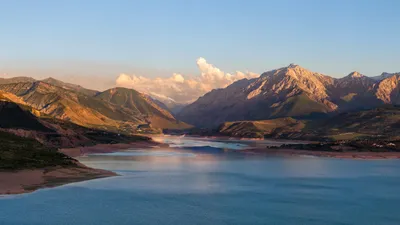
[379,122]
[299,105]
[382,122]
[261,128]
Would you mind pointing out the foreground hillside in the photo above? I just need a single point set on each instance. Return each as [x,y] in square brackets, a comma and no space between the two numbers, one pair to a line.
[117,109]
[25,153]
[26,165]
[291,92]
[29,156]
[53,132]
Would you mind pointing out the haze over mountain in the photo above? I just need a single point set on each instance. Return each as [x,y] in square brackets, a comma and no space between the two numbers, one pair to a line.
[290,91]
[178,89]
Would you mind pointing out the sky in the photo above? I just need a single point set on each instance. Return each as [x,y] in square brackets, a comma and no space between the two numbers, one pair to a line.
[95,42]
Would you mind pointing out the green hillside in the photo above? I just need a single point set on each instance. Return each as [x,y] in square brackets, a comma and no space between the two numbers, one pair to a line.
[262,128]
[379,122]
[24,153]
[299,105]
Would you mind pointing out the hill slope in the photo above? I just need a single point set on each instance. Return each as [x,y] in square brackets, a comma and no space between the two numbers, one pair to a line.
[140,103]
[16,80]
[103,111]
[382,122]
[262,128]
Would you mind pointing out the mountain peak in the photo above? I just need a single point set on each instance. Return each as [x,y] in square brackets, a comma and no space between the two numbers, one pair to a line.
[292,65]
[50,78]
[355,74]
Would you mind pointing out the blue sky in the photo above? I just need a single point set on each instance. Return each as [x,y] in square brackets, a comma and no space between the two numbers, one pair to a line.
[156,38]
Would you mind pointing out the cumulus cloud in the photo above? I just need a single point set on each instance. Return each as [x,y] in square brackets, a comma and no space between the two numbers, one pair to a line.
[183,89]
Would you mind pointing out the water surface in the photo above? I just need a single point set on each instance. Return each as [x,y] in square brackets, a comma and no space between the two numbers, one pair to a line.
[200,181]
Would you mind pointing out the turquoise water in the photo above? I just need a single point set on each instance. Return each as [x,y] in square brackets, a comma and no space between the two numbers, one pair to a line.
[203,183]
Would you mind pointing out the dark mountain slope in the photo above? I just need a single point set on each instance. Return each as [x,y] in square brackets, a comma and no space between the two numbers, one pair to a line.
[12,116]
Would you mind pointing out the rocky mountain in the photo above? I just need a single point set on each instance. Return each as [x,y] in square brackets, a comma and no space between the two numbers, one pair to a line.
[290,91]
[52,81]
[388,90]
[68,86]
[16,80]
[106,110]
[383,76]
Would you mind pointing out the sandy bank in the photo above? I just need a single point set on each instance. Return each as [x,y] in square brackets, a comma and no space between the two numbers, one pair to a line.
[330,154]
[24,181]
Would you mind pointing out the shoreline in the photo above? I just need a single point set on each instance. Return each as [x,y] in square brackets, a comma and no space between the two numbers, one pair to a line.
[326,154]
[30,180]
[108,148]
[26,181]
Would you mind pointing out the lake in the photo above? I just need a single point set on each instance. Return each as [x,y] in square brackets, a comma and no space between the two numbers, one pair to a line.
[206,181]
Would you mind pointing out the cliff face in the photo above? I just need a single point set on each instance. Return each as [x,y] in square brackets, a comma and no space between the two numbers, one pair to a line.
[389,90]
[289,91]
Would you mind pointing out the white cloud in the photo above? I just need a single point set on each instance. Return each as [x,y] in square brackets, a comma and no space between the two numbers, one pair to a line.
[181,89]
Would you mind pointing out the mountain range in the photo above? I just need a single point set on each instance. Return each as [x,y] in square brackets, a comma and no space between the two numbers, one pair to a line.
[275,96]
[291,91]
[116,109]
